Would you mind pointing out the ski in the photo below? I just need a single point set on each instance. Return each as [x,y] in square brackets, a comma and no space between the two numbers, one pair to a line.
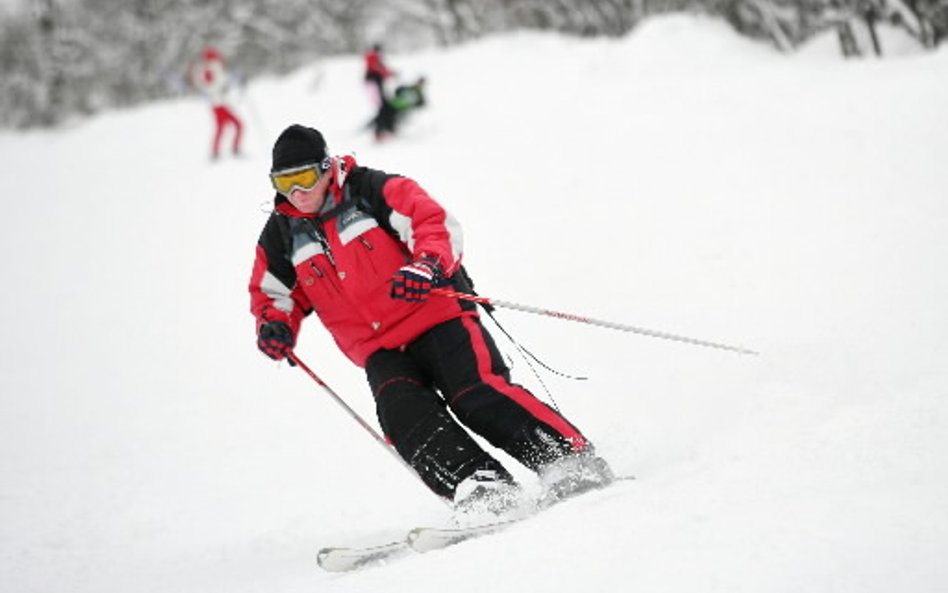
[346,559]
[420,540]
[427,539]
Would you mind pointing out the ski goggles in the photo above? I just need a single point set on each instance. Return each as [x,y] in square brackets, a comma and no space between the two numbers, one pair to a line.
[304,177]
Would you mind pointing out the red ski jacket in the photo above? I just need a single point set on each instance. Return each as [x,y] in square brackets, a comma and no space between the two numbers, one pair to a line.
[374,67]
[340,261]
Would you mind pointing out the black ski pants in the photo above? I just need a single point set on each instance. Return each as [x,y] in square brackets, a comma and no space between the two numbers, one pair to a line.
[454,374]
[385,119]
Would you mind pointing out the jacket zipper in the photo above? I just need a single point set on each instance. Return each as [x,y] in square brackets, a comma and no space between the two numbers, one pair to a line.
[321,237]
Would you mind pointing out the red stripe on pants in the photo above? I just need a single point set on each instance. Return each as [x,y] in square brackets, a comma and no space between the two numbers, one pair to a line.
[518,394]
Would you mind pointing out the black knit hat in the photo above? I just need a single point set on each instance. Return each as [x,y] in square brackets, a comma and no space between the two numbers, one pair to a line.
[298,145]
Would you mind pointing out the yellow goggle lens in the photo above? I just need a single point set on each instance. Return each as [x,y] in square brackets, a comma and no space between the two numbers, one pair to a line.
[304,179]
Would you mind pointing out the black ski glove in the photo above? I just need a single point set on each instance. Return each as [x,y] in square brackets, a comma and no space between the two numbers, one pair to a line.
[275,339]
[414,281]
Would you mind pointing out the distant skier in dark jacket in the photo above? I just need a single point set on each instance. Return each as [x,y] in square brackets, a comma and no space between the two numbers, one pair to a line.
[363,249]
[407,98]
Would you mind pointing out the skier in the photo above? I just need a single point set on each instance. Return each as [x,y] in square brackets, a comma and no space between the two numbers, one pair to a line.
[407,98]
[209,76]
[376,73]
[362,249]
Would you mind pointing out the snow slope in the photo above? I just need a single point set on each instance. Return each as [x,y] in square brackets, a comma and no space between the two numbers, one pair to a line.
[681,179]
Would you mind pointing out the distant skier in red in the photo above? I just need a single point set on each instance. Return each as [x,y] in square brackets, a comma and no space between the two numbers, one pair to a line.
[209,76]
[376,73]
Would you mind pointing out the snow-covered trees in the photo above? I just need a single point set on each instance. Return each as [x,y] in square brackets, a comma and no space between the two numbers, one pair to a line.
[62,58]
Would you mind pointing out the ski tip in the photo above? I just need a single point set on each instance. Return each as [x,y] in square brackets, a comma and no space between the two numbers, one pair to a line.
[323,557]
[324,553]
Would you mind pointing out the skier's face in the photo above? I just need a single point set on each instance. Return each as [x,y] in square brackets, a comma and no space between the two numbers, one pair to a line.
[311,200]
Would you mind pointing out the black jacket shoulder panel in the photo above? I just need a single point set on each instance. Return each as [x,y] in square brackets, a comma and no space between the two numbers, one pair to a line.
[364,186]
[276,242]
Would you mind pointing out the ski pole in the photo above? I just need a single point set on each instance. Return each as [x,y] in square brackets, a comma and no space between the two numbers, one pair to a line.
[355,415]
[581,319]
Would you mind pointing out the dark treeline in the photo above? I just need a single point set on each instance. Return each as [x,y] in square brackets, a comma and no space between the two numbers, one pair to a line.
[67,58]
